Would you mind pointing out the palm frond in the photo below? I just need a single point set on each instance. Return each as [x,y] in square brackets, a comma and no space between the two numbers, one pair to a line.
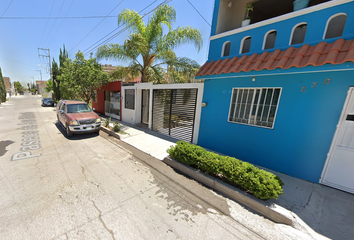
[179,36]
[113,52]
[163,15]
[132,20]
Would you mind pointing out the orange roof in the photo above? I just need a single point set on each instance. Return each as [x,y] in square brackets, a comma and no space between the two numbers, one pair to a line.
[322,53]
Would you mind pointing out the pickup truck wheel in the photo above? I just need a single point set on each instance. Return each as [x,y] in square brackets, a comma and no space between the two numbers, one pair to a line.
[68,132]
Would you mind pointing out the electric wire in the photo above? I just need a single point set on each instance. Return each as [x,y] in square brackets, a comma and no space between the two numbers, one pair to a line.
[61,22]
[50,13]
[7,8]
[96,26]
[53,18]
[121,31]
[113,30]
[199,13]
[55,21]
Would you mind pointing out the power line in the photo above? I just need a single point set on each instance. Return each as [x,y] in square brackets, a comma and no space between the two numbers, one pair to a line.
[61,22]
[114,29]
[96,26]
[54,18]
[199,13]
[50,13]
[6,8]
[121,31]
[55,21]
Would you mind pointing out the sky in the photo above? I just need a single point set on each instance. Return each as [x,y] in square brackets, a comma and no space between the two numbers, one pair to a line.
[81,25]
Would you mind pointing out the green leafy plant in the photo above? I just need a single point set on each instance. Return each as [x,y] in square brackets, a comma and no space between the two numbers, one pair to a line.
[249,8]
[262,184]
[107,122]
[116,126]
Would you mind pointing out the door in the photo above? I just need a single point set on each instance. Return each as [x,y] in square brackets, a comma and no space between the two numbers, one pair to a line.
[112,104]
[145,99]
[173,112]
[339,169]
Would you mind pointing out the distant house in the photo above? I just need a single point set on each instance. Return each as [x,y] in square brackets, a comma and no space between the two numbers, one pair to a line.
[9,87]
[280,91]
[108,98]
[40,85]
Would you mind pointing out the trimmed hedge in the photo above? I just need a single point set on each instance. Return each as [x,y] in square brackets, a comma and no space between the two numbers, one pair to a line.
[262,184]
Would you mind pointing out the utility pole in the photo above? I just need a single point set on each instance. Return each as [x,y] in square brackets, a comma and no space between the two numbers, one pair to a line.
[40,72]
[45,53]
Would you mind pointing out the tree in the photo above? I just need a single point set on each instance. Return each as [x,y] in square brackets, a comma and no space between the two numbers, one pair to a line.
[49,87]
[56,71]
[2,88]
[56,83]
[148,50]
[80,78]
[18,87]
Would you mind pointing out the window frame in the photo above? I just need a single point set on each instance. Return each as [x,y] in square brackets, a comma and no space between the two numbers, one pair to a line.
[126,99]
[293,31]
[265,39]
[328,22]
[223,49]
[243,43]
[257,106]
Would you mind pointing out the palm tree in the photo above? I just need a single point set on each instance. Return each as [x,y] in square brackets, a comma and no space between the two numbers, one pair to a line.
[148,51]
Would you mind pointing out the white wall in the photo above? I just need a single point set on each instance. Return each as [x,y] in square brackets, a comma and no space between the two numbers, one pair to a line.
[134,116]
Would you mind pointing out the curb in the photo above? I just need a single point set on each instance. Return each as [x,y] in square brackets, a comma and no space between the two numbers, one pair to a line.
[110,132]
[272,211]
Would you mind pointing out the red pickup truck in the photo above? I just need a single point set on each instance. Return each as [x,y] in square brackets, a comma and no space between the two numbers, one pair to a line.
[77,117]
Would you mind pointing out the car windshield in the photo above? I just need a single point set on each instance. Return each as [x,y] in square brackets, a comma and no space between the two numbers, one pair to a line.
[78,108]
[47,99]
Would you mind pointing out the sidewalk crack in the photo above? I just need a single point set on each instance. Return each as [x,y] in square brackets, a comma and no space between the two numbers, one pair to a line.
[101,220]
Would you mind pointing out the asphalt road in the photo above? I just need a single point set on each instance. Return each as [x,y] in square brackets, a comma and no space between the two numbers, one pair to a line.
[94,187]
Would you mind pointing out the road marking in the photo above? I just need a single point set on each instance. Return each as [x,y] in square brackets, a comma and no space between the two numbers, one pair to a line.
[30,140]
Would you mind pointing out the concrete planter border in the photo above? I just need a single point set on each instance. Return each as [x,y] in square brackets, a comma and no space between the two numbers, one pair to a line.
[271,211]
[110,132]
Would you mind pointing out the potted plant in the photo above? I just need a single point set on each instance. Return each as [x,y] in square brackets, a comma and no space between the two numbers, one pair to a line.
[247,20]
[300,4]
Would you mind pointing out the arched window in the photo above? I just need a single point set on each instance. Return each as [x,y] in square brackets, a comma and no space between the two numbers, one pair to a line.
[335,26]
[270,40]
[245,45]
[298,35]
[226,49]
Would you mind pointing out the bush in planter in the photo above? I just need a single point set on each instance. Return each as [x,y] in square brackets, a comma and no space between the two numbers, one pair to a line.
[116,126]
[262,184]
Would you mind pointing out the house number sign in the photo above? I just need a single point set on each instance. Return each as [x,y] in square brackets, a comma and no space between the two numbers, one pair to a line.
[315,84]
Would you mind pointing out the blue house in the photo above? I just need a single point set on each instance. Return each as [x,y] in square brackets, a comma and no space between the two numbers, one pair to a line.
[279,90]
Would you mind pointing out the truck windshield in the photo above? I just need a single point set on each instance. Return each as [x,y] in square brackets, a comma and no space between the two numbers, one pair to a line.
[78,108]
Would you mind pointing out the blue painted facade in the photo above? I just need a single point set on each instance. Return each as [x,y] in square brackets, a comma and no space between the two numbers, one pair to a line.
[309,108]
[316,22]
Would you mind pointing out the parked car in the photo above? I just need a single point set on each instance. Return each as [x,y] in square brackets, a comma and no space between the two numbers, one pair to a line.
[47,102]
[77,117]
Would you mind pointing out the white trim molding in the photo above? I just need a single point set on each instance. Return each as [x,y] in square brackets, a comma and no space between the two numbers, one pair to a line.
[330,19]
[223,49]
[243,42]
[265,38]
[293,30]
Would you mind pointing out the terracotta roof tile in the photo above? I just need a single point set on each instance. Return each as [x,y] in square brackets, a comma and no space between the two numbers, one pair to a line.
[322,53]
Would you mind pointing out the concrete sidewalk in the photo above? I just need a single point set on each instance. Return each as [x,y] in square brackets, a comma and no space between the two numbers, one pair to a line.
[327,211]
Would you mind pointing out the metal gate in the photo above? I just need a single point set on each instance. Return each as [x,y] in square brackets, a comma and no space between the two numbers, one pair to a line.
[145,106]
[173,112]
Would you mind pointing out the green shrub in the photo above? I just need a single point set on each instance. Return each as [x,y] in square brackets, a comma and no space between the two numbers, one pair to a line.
[262,184]
[116,126]
[107,122]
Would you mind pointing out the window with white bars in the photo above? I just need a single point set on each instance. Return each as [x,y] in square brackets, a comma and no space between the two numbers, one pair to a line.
[130,99]
[254,106]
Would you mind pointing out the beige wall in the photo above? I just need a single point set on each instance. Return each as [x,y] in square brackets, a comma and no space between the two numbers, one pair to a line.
[230,17]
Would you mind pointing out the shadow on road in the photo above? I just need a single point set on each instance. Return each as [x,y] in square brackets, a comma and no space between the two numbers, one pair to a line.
[75,137]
